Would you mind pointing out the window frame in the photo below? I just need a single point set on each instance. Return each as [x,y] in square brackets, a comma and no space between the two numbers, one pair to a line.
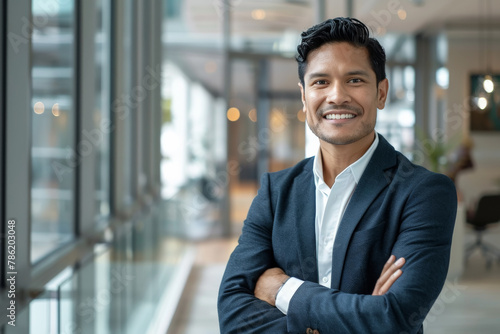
[17,141]
[2,137]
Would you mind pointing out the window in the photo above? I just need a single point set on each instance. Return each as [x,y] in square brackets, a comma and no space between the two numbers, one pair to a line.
[102,115]
[54,156]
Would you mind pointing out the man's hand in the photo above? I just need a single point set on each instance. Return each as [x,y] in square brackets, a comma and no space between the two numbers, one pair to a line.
[272,279]
[390,273]
[268,285]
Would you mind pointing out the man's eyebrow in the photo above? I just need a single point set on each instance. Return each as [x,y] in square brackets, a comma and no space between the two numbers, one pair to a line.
[359,72]
[317,75]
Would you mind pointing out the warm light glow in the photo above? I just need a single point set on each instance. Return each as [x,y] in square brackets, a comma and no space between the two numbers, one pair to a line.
[488,84]
[482,103]
[278,120]
[39,108]
[55,110]
[301,116]
[253,115]
[233,114]
[258,14]
[402,14]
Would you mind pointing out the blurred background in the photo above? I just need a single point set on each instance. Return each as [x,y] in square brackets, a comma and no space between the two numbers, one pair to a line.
[133,135]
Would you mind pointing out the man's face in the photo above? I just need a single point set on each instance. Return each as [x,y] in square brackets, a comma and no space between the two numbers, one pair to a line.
[340,93]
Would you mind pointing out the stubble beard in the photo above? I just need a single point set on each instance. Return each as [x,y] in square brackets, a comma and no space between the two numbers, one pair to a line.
[331,138]
[365,130]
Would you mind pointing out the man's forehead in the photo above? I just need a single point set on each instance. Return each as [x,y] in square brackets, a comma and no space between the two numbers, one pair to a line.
[349,57]
[327,49]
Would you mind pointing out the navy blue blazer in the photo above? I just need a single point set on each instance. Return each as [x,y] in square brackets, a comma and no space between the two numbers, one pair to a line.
[397,208]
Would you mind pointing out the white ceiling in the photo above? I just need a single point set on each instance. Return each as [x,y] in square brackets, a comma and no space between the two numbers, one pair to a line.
[284,20]
[205,15]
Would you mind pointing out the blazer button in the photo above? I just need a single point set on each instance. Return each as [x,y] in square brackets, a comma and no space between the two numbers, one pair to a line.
[309,331]
[315,331]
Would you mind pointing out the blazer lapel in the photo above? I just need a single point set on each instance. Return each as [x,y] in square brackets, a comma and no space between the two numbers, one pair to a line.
[369,187]
[306,216]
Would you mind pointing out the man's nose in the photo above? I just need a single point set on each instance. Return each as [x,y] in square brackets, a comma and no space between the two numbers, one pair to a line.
[338,94]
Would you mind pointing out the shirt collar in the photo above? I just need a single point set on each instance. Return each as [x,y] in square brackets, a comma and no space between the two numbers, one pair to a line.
[357,168]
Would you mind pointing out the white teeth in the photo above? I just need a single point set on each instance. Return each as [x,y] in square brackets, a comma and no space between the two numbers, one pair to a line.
[339,116]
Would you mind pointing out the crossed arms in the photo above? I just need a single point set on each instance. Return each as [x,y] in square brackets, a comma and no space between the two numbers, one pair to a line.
[396,305]
[272,279]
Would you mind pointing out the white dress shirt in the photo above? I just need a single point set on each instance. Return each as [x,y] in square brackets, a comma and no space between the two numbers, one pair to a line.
[330,206]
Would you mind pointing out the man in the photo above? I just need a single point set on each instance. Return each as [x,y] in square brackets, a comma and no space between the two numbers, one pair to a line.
[313,254]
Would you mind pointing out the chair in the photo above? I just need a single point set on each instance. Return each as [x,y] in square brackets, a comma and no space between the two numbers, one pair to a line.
[487,212]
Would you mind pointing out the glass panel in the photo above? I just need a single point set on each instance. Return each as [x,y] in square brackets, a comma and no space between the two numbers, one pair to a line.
[191,145]
[397,120]
[44,310]
[287,135]
[43,314]
[244,138]
[102,117]
[54,156]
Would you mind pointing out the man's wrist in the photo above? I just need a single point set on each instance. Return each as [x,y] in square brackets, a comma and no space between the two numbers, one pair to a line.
[281,286]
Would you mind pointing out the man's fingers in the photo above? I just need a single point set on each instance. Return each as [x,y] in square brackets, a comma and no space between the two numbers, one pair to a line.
[389,282]
[390,273]
[388,264]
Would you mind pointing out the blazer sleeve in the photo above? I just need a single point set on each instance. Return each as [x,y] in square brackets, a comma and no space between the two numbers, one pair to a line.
[239,310]
[424,239]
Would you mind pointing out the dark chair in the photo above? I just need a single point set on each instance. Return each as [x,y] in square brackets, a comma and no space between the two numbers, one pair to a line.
[487,212]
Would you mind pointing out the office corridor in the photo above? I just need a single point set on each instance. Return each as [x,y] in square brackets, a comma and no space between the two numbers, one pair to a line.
[133,135]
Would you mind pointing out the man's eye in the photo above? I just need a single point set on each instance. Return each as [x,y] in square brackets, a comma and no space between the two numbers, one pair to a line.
[320,82]
[355,80]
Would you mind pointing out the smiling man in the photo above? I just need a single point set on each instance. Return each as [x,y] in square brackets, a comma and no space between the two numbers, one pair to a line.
[318,249]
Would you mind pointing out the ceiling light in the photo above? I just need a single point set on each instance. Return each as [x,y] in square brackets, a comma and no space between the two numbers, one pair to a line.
[402,14]
[233,114]
[258,14]
[482,103]
[39,108]
[55,110]
[488,84]
[253,115]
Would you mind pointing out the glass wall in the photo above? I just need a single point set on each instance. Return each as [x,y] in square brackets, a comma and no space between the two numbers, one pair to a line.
[54,155]
[193,135]
[76,110]
[287,133]
[193,148]
[396,121]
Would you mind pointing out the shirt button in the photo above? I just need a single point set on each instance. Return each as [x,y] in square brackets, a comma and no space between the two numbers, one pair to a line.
[325,279]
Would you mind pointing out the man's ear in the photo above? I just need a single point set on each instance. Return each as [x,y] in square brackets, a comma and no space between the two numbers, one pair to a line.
[302,97]
[382,90]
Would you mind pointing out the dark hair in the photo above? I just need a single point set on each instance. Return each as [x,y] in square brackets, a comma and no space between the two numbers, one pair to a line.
[341,29]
